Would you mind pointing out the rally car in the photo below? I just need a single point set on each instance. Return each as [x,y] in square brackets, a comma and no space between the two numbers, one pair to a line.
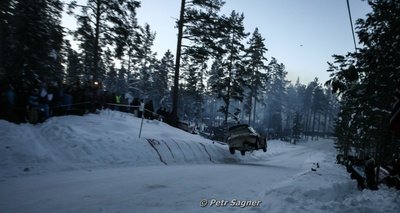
[244,138]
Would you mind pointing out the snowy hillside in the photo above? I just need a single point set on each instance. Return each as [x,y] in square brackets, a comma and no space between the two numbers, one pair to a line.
[97,163]
[106,140]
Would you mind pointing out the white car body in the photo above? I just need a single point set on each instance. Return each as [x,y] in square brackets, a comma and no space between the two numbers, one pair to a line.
[244,138]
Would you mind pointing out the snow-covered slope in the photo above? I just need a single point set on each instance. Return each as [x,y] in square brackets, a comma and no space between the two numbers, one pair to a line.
[97,163]
[327,188]
[108,139]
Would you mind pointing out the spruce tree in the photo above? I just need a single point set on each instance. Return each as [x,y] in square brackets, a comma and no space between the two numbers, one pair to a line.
[102,23]
[32,39]
[256,70]
[198,23]
[146,62]
[163,79]
[74,65]
[277,92]
[231,85]
[366,82]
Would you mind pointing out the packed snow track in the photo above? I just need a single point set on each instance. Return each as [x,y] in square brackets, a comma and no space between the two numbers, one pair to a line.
[68,165]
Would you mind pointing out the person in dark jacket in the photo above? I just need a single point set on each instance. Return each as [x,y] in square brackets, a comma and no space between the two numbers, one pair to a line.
[44,99]
[10,102]
[141,108]
[135,106]
[148,110]
[33,106]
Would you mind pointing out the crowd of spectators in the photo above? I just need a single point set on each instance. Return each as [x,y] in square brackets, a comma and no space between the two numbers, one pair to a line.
[36,104]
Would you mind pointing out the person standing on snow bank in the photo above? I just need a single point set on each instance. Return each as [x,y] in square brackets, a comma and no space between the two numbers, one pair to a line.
[33,106]
[149,109]
[8,101]
[370,173]
[141,108]
[117,101]
[135,103]
[44,99]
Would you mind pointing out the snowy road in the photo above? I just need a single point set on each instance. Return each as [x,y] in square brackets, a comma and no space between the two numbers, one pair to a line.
[178,188]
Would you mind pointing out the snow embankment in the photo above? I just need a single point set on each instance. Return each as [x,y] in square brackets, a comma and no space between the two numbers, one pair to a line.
[105,140]
[327,187]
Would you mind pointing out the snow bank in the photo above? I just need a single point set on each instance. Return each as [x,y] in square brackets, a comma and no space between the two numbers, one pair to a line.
[104,140]
[294,178]
[327,188]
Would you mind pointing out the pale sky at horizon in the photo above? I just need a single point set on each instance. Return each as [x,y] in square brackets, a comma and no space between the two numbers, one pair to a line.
[301,34]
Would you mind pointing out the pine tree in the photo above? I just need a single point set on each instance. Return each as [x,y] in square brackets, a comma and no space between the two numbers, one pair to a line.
[122,83]
[366,82]
[163,79]
[132,42]
[142,64]
[111,76]
[74,65]
[231,85]
[32,39]
[307,107]
[6,13]
[276,96]
[317,105]
[255,65]
[146,62]
[297,127]
[193,87]
[102,23]
[197,22]
[292,104]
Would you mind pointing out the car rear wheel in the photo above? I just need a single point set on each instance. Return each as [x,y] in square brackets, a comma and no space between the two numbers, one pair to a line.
[256,145]
[265,149]
[242,152]
[231,150]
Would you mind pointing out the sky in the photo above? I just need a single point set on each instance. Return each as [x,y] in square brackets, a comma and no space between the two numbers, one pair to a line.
[301,34]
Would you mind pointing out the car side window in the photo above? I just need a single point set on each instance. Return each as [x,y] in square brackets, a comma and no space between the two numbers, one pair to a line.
[252,130]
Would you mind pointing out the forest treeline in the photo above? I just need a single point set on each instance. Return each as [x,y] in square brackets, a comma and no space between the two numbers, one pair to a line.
[225,74]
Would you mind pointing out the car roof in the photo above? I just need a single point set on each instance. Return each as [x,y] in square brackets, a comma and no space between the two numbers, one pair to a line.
[238,126]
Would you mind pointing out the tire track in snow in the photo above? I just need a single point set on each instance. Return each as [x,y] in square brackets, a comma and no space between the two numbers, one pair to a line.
[183,153]
[172,154]
[207,152]
[151,141]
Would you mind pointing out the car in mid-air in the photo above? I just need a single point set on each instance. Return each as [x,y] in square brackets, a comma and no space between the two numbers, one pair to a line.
[244,138]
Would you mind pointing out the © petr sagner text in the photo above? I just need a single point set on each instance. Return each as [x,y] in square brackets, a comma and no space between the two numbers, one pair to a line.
[230,203]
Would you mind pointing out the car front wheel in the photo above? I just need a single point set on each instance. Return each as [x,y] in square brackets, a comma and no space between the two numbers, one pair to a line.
[242,152]
[231,150]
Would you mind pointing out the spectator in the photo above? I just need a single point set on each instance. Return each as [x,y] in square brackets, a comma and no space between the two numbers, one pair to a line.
[33,106]
[117,101]
[77,93]
[370,174]
[54,95]
[67,101]
[149,109]
[160,113]
[127,101]
[10,102]
[135,103]
[44,99]
[141,108]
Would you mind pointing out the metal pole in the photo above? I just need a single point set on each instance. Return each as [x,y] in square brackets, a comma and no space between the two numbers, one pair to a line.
[141,125]
[351,24]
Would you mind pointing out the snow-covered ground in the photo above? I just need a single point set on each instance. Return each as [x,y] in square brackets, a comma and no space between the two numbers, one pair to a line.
[97,163]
